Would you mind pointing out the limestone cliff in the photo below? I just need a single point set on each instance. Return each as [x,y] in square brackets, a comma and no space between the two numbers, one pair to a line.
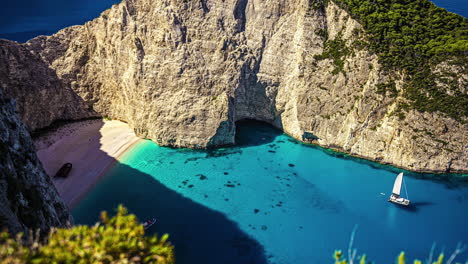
[28,199]
[183,72]
[41,97]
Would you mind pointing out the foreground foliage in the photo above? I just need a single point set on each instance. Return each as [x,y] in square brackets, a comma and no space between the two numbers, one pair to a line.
[414,36]
[400,260]
[120,239]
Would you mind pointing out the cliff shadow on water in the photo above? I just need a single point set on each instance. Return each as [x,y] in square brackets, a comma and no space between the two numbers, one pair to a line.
[199,234]
[251,132]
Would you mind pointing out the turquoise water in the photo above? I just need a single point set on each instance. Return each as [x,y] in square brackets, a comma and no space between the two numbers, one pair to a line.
[273,200]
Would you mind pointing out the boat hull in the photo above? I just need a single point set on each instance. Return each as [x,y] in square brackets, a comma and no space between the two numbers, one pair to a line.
[399,201]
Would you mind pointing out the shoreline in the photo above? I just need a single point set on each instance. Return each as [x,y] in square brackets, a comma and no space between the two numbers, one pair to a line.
[92,146]
[390,166]
[109,166]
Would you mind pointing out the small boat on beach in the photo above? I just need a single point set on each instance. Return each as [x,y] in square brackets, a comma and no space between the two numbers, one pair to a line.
[395,197]
[149,223]
[63,171]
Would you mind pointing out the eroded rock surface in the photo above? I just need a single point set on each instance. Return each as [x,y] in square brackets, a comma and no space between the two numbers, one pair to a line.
[28,198]
[41,96]
[182,72]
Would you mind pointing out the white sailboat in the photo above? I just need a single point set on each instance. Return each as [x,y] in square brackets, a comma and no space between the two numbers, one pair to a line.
[395,197]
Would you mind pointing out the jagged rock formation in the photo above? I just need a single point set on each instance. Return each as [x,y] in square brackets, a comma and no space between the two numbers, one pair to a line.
[41,97]
[183,72]
[28,199]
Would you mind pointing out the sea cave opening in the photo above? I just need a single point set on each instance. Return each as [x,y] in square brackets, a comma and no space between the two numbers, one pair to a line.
[251,132]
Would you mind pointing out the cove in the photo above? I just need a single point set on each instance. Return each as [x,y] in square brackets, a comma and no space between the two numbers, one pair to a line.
[273,200]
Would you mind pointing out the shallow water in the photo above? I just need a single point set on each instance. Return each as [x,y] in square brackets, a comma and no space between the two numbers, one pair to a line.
[274,200]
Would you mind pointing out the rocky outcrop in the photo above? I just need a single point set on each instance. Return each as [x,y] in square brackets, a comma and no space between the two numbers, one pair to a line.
[42,97]
[28,198]
[183,72]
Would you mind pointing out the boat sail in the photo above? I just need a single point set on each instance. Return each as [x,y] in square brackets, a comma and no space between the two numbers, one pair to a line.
[395,197]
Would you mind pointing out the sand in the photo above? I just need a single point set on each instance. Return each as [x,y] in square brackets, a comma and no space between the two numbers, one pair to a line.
[92,146]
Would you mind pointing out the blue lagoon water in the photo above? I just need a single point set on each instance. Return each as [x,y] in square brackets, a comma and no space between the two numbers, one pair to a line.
[274,200]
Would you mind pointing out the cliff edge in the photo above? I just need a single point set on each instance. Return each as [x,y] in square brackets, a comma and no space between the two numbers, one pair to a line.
[28,198]
[181,73]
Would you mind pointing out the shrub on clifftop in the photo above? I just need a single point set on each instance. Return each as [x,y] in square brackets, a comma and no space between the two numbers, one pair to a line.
[120,239]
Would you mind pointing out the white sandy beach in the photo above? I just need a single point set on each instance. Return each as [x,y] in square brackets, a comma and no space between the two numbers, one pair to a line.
[92,146]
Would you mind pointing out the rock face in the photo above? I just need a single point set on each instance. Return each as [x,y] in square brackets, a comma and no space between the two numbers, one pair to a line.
[41,97]
[183,72]
[28,198]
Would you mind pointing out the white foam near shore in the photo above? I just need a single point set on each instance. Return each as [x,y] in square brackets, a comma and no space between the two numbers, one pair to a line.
[92,146]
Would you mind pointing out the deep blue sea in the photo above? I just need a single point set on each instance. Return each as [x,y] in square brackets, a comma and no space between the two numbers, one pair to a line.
[274,200]
[21,20]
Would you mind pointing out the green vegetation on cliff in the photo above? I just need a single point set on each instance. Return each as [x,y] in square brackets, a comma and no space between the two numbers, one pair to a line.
[414,36]
[120,239]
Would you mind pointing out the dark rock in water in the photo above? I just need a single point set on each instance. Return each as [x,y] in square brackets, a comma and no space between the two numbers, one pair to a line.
[272,151]
[291,165]
[202,177]
[215,153]
[206,196]
[226,199]
[292,141]
[230,185]
[190,186]
[264,227]
[191,159]
[256,211]
[171,162]
[280,141]
[226,173]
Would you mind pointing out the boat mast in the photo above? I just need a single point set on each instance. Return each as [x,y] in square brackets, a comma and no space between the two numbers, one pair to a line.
[406,191]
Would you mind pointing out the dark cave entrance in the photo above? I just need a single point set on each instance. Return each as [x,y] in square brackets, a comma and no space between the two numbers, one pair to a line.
[250,132]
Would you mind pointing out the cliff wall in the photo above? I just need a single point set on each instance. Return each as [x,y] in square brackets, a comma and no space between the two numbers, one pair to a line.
[28,198]
[181,73]
[41,96]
